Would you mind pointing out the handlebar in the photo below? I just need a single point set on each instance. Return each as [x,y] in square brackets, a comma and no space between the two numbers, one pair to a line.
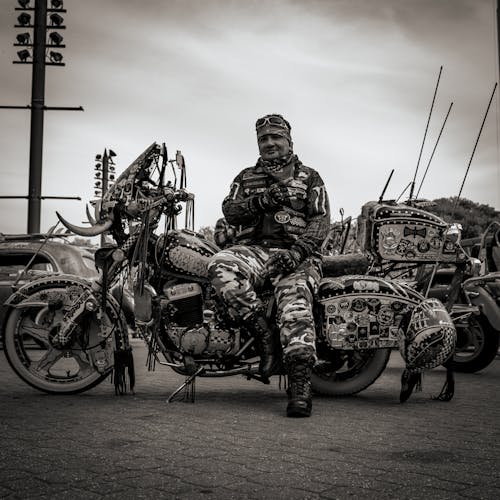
[163,199]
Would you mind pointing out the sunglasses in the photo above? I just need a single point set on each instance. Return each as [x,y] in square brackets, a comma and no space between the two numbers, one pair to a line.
[272,120]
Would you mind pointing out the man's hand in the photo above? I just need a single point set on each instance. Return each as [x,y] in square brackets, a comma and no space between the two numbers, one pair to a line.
[267,200]
[288,193]
[280,194]
[272,197]
[283,262]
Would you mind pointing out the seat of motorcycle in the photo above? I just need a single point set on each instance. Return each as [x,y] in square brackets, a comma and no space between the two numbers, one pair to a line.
[339,265]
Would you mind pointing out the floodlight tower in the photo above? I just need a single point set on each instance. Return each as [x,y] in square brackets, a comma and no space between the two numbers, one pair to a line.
[104,177]
[104,174]
[38,99]
[38,50]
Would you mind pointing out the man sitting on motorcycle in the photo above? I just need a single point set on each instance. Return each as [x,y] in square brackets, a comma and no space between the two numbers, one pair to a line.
[281,210]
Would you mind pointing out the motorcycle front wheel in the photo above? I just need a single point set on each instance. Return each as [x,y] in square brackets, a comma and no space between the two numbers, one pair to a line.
[31,349]
[477,345]
[350,372]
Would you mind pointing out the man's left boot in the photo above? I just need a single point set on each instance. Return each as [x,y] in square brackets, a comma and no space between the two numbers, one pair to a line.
[299,389]
[266,344]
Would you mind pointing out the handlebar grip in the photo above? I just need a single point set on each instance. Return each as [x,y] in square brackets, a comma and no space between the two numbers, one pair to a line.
[183,195]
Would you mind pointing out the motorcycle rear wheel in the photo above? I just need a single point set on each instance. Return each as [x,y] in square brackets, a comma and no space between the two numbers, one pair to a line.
[477,345]
[31,352]
[360,370]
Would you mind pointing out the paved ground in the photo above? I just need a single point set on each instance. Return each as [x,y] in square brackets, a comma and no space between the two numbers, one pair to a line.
[235,442]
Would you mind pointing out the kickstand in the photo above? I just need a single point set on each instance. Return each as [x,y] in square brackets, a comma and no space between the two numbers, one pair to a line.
[189,386]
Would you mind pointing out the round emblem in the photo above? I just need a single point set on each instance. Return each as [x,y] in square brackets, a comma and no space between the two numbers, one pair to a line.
[397,306]
[358,305]
[282,217]
[330,308]
[385,315]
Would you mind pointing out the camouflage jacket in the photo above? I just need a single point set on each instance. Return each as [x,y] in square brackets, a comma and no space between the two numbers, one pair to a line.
[304,226]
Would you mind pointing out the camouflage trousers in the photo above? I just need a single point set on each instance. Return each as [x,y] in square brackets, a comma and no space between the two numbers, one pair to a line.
[238,274]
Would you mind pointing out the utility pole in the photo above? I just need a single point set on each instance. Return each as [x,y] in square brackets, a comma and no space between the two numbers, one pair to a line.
[40,46]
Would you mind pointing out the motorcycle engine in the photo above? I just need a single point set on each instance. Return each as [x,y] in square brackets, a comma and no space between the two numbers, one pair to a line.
[192,328]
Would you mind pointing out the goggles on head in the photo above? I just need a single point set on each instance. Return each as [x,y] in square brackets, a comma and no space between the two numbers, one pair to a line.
[273,121]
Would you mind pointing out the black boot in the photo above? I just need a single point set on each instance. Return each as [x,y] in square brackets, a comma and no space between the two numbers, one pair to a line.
[299,389]
[266,345]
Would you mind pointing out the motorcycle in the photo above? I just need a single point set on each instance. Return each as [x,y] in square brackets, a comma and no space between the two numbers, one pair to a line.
[82,328]
[478,336]
[468,286]
[474,290]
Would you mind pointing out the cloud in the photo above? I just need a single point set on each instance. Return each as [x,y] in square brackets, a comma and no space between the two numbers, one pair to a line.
[355,78]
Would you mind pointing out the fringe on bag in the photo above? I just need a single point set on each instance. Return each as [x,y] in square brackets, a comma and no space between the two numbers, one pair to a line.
[123,362]
[409,381]
[448,389]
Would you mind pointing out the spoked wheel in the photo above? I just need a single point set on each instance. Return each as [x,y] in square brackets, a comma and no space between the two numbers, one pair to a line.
[32,349]
[349,372]
[477,345]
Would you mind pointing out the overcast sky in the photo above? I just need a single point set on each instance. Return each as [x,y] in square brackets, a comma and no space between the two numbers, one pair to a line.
[354,77]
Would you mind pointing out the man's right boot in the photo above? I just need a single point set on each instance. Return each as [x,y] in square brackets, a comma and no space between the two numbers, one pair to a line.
[265,343]
[299,389]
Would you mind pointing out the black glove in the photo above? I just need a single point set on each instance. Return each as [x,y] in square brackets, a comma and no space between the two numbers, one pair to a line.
[280,194]
[268,200]
[283,262]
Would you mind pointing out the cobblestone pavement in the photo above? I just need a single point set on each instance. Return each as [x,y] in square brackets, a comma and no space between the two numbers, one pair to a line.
[235,442]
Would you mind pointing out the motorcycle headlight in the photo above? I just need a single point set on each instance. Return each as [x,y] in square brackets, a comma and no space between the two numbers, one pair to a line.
[475,267]
[454,233]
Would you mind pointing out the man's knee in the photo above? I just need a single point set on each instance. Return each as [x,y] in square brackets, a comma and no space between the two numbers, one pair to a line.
[223,266]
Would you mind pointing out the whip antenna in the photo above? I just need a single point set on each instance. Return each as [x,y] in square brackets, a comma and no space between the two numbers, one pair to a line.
[385,187]
[474,150]
[434,150]
[425,133]
[403,192]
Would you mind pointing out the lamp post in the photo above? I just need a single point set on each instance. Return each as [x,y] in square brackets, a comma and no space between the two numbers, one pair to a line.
[36,129]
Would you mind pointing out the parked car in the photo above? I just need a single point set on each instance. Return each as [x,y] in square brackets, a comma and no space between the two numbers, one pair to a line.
[25,256]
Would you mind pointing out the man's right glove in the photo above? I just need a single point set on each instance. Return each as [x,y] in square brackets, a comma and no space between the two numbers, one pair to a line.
[269,199]
[279,194]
